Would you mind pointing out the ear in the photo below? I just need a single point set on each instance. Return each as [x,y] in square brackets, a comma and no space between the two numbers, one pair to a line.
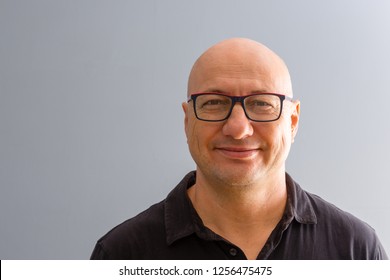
[184,105]
[296,110]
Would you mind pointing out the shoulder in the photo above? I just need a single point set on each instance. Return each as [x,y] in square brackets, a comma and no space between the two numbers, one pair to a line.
[145,222]
[355,237]
[149,234]
[133,235]
[326,211]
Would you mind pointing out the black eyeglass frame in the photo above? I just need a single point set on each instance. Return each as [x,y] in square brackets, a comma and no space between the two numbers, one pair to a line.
[240,99]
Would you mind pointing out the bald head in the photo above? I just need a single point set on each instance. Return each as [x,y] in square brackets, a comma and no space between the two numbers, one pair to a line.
[240,58]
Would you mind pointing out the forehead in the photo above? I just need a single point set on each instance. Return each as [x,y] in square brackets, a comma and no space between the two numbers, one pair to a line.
[237,78]
[238,71]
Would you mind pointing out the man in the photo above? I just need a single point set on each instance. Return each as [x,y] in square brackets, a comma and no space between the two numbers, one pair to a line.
[240,121]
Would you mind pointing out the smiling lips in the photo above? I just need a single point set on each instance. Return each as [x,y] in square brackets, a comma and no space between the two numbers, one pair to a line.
[238,152]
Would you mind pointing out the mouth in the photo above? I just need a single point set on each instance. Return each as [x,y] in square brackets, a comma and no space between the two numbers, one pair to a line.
[238,152]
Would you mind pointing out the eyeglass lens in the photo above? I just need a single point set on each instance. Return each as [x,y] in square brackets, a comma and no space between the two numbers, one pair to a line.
[261,107]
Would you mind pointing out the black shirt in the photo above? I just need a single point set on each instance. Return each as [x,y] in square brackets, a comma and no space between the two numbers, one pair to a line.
[310,228]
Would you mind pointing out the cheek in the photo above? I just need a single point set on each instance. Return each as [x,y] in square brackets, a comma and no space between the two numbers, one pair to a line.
[194,135]
[284,127]
[285,140]
[277,137]
[200,135]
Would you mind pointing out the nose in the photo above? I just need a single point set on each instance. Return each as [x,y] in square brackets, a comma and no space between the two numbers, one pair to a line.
[238,126]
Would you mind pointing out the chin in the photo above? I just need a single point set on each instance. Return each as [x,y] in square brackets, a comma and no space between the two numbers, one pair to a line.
[237,178]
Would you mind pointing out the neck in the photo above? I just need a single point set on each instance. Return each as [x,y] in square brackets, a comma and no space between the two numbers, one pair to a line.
[224,206]
[244,215]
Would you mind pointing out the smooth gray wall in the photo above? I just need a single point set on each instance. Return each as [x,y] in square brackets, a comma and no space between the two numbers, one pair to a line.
[91,126]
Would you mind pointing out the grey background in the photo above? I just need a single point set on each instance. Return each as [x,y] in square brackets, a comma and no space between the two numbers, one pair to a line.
[91,126]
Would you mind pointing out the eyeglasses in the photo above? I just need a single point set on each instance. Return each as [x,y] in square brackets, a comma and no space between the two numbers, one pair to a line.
[215,107]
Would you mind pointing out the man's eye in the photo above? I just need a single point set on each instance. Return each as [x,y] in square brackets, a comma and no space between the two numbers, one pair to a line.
[214,102]
[260,104]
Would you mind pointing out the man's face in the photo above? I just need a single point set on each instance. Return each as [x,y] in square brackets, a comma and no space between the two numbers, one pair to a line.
[238,151]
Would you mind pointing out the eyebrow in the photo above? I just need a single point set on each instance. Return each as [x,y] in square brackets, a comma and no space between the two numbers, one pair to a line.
[214,90]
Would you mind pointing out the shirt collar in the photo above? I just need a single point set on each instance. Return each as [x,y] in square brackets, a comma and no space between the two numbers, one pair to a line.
[301,206]
[181,222]
[178,211]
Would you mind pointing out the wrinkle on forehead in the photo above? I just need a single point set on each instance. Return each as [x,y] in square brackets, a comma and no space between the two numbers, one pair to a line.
[240,58]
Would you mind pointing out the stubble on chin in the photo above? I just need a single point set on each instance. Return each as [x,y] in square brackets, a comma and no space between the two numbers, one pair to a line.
[232,177]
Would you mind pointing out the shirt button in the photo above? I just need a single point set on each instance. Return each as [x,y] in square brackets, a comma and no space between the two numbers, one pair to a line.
[233,252]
